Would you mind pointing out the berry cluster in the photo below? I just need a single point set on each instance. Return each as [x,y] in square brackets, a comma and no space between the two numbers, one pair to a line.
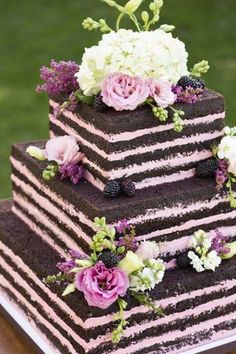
[207,168]
[114,188]
[188,81]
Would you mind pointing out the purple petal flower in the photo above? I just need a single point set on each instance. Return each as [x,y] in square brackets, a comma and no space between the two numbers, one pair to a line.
[71,171]
[76,254]
[65,267]
[218,243]
[122,226]
[59,78]
[222,173]
[188,95]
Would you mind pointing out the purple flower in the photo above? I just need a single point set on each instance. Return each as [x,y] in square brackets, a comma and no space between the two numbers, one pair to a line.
[67,266]
[222,173]
[102,286]
[128,242]
[76,254]
[218,243]
[189,95]
[122,226]
[71,171]
[59,78]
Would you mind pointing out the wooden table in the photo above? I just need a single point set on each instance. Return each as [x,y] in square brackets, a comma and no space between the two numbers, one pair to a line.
[12,340]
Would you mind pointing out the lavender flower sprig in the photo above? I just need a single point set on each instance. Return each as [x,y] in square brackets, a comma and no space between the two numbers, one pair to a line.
[59,78]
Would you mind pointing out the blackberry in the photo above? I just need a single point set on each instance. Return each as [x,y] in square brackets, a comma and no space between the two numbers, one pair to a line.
[186,81]
[127,188]
[183,261]
[98,104]
[201,83]
[112,189]
[109,259]
[207,168]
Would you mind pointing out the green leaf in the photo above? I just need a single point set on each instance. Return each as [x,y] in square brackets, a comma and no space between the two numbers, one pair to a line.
[85,99]
[69,289]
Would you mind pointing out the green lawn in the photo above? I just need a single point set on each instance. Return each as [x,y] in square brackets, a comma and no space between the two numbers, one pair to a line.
[33,32]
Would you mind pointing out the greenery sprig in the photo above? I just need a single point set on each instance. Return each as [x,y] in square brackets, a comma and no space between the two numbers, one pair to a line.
[148,18]
[146,300]
[50,172]
[118,332]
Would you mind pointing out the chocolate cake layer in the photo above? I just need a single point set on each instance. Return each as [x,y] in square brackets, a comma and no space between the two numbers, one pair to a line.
[63,214]
[198,308]
[137,145]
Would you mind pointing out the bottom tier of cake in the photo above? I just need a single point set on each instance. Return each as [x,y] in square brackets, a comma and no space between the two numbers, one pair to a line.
[199,309]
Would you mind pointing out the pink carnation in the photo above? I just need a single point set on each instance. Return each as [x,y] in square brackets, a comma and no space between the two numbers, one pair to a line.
[102,286]
[63,150]
[124,92]
[161,92]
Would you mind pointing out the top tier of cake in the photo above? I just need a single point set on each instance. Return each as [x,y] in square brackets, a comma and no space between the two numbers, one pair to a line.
[137,145]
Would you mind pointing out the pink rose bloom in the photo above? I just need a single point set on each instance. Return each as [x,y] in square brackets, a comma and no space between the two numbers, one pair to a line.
[102,286]
[161,92]
[124,92]
[63,150]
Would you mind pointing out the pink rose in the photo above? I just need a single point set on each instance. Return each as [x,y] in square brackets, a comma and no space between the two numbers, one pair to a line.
[161,92]
[124,92]
[63,150]
[102,286]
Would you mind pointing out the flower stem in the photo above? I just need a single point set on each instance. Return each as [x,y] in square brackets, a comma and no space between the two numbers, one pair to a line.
[118,332]
[119,20]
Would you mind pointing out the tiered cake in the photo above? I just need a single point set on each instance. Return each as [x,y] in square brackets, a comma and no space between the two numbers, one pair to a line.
[174,198]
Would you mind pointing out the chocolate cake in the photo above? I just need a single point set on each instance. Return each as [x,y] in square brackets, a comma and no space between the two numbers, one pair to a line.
[121,236]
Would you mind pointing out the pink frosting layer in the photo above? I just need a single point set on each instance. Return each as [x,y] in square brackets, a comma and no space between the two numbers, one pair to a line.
[176,210]
[63,204]
[170,162]
[43,219]
[35,313]
[37,230]
[190,224]
[113,138]
[178,334]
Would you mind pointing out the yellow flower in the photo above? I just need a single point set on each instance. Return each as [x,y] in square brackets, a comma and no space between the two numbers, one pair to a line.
[131,263]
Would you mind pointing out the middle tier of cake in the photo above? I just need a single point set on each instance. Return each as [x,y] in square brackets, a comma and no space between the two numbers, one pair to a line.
[62,214]
[137,145]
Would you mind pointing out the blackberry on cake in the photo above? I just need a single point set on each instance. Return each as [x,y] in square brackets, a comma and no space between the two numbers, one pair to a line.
[98,103]
[183,261]
[109,259]
[127,188]
[112,189]
[207,168]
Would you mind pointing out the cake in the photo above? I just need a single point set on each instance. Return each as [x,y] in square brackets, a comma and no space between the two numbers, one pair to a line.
[121,236]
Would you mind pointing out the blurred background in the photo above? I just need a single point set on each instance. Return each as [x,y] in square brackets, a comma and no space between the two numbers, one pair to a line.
[33,32]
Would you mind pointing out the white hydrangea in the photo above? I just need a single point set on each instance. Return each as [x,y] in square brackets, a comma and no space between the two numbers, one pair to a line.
[155,54]
[148,277]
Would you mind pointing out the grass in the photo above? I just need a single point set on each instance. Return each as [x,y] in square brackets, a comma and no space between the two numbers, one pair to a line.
[33,32]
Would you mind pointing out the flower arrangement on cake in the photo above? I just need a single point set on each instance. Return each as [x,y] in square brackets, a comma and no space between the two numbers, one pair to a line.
[118,267]
[206,251]
[125,70]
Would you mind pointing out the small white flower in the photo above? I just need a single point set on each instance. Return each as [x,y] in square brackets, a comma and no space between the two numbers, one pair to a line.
[36,152]
[227,131]
[212,261]
[196,262]
[227,148]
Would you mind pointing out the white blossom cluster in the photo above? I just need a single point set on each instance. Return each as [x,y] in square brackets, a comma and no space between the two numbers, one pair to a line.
[202,257]
[227,149]
[148,54]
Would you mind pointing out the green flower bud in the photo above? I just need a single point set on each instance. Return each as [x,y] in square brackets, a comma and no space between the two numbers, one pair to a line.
[200,68]
[145,16]
[36,152]
[167,28]
[133,5]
